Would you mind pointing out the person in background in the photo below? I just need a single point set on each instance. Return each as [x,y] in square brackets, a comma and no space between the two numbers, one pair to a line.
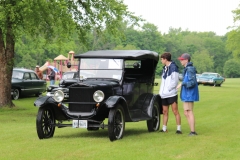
[51,76]
[38,72]
[168,91]
[189,90]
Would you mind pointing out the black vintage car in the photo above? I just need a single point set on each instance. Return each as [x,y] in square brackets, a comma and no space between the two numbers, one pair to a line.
[119,87]
[68,79]
[25,82]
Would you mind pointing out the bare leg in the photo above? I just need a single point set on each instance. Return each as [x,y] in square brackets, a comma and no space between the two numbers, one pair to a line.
[191,120]
[176,113]
[165,115]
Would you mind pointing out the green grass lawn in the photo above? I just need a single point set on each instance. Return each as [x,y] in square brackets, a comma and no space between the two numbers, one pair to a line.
[217,123]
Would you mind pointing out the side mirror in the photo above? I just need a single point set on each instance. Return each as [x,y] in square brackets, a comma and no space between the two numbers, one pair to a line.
[69,65]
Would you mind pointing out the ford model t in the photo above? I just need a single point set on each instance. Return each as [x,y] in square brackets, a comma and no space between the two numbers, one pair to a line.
[114,85]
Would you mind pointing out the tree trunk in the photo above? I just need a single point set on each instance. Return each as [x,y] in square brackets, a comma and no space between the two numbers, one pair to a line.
[6,67]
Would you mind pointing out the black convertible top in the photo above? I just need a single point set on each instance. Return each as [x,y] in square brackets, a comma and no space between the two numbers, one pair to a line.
[122,54]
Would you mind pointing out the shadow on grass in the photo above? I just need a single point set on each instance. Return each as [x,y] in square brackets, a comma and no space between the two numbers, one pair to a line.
[102,133]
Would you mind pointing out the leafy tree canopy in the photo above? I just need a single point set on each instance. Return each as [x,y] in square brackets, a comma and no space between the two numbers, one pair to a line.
[231,68]
[202,61]
[55,21]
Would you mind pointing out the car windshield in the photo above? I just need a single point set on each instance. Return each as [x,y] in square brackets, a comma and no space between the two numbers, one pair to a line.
[68,76]
[101,68]
[17,75]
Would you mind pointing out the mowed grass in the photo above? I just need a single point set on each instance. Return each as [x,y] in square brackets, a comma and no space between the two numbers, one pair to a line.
[217,123]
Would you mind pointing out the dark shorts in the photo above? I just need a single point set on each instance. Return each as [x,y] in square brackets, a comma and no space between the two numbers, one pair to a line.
[170,100]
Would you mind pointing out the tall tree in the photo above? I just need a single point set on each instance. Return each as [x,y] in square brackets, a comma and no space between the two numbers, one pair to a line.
[27,62]
[231,68]
[151,39]
[36,18]
[202,61]
[233,37]
[127,47]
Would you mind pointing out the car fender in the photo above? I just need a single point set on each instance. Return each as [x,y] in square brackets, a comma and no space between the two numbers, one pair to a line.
[42,101]
[146,102]
[49,102]
[156,98]
[112,101]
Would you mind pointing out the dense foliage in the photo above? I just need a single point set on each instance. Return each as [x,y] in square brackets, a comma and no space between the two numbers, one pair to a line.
[42,29]
[207,49]
[32,32]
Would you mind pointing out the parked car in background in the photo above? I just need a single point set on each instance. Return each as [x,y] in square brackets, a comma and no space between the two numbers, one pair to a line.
[113,84]
[210,78]
[68,78]
[25,82]
[197,75]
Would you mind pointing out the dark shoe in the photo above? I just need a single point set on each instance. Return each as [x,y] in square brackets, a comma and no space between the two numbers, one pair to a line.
[193,134]
[163,131]
[178,132]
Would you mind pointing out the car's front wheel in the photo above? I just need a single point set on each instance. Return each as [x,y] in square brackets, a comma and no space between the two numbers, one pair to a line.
[154,123]
[45,123]
[116,123]
[16,94]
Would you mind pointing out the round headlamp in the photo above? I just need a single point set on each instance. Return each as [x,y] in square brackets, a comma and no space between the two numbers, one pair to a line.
[98,96]
[49,88]
[58,96]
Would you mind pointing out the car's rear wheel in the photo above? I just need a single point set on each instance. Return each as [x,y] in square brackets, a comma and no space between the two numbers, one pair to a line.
[154,123]
[16,94]
[45,123]
[116,123]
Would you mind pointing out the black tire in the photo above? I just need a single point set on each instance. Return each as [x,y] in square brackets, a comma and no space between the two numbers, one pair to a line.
[45,123]
[16,94]
[116,123]
[220,84]
[154,123]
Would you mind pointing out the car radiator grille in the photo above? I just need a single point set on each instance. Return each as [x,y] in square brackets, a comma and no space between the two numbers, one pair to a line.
[83,95]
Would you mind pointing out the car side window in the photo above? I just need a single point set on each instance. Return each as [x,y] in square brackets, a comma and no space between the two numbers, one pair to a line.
[132,64]
[33,76]
[26,76]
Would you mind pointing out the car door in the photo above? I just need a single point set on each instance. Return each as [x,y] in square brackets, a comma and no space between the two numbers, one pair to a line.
[27,83]
[219,79]
[37,84]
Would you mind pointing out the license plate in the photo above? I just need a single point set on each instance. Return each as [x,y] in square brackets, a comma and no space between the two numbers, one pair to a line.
[79,124]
